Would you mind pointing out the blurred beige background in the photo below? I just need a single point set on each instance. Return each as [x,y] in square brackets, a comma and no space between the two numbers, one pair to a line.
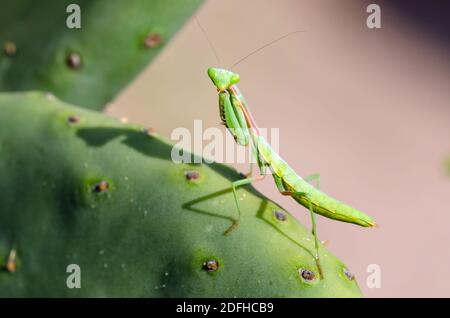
[368,109]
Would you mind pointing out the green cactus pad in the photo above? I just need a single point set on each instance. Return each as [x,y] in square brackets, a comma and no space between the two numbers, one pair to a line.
[90,65]
[78,187]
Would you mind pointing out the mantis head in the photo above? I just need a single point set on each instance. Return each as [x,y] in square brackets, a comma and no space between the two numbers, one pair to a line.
[221,78]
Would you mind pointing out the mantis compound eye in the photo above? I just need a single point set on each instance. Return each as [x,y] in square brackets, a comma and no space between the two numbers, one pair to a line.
[221,78]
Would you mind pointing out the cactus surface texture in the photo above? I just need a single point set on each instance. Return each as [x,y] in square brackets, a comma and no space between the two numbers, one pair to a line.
[90,65]
[78,187]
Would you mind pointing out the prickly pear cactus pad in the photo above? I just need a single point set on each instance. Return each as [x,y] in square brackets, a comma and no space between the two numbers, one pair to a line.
[80,188]
[89,65]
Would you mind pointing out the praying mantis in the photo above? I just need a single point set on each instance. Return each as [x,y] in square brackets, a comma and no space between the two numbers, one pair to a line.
[236,116]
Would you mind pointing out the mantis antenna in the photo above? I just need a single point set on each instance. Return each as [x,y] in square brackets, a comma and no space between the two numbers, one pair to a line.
[264,46]
[207,39]
[249,54]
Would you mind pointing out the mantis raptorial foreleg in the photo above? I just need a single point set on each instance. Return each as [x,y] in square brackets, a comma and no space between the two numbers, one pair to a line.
[262,167]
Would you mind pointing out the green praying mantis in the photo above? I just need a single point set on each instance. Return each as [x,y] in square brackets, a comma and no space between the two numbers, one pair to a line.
[236,116]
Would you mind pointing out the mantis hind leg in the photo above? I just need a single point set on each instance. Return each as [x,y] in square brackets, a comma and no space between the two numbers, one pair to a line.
[313,230]
[313,177]
[281,188]
[316,239]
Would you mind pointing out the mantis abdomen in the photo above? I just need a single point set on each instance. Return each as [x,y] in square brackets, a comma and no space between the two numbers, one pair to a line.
[329,207]
[288,180]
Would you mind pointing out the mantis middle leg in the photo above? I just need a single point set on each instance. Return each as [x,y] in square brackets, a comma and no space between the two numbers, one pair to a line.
[235,185]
